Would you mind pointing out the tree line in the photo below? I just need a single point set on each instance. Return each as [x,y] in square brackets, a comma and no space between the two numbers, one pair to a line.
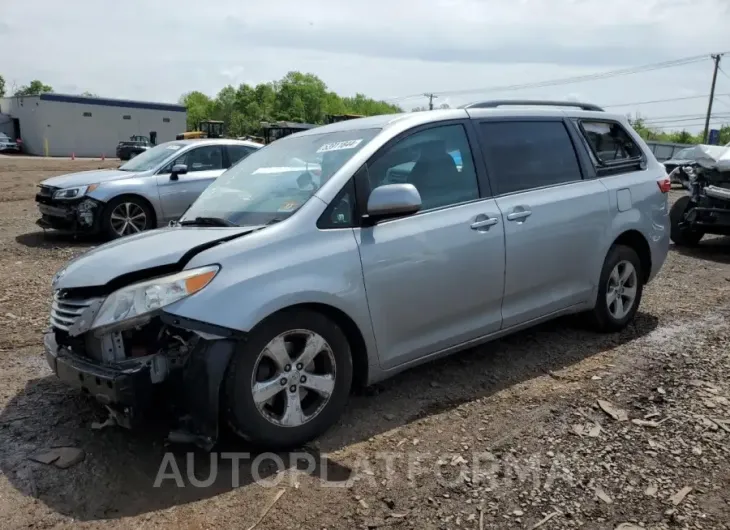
[304,97]
[680,137]
[299,97]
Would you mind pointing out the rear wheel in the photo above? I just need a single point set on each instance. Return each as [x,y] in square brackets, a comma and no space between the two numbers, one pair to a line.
[619,290]
[683,235]
[127,215]
[290,381]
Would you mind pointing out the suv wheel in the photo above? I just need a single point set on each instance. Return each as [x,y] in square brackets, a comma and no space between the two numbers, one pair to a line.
[681,235]
[126,215]
[289,382]
[619,290]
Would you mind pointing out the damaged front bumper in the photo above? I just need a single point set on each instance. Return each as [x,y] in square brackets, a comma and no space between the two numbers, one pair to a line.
[188,378]
[69,215]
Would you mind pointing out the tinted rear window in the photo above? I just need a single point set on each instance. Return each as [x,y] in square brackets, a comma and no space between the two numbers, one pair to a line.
[524,155]
[610,142]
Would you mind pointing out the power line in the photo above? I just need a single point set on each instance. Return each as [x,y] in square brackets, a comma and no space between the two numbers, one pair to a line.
[681,126]
[661,100]
[723,71]
[673,116]
[570,80]
[685,120]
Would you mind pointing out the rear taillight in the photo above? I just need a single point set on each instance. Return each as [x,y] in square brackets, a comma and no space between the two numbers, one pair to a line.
[664,184]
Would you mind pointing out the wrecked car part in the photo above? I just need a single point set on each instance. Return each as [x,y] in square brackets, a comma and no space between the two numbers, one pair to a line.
[78,214]
[717,192]
[85,213]
[138,300]
[122,368]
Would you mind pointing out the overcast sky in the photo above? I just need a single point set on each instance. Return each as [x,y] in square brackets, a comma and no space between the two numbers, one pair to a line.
[158,49]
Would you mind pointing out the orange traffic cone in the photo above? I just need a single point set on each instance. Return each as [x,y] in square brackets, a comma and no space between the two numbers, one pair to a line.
[73,156]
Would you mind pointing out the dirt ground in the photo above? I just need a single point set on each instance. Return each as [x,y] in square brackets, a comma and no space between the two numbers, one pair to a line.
[556,427]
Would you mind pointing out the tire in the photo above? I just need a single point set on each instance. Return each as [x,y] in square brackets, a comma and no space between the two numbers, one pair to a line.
[263,424]
[110,224]
[683,237]
[602,317]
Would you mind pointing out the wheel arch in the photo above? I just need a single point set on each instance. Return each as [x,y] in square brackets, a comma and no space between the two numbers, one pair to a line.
[355,337]
[139,197]
[635,240]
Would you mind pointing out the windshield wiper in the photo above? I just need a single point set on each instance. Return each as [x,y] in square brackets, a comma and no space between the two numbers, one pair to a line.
[207,221]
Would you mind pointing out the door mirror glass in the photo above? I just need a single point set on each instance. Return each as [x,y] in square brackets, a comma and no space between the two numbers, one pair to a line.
[178,169]
[393,200]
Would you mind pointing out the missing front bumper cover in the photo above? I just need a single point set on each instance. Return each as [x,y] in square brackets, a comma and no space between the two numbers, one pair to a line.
[190,388]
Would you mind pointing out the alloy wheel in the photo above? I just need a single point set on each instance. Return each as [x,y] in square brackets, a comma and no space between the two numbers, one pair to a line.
[621,289]
[293,378]
[128,218]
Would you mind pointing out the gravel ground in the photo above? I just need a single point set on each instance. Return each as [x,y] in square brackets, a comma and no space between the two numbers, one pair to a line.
[551,428]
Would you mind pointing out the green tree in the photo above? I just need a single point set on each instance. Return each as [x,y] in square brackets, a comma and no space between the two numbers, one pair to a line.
[89,94]
[2,86]
[35,88]
[297,96]
[199,107]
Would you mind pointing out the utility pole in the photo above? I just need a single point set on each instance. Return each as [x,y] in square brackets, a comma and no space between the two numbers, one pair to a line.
[716,59]
[430,99]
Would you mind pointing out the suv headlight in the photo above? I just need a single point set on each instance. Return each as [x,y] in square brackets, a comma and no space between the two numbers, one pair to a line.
[75,192]
[140,299]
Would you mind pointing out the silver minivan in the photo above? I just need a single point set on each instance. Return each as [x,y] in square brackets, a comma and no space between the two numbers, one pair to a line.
[414,236]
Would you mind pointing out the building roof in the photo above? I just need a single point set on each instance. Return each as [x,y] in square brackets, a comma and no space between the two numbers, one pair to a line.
[109,102]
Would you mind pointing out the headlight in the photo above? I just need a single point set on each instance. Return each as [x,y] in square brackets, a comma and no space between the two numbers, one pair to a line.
[140,299]
[73,193]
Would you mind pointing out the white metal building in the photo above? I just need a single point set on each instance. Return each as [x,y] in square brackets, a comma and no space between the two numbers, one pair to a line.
[62,125]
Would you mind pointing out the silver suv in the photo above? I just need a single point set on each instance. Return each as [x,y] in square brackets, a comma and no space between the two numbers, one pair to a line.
[391,241]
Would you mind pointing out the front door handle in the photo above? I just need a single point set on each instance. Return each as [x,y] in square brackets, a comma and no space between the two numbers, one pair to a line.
[484,223]
[519,215]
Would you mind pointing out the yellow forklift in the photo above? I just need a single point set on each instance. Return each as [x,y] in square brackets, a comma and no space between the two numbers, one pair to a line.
[206,129]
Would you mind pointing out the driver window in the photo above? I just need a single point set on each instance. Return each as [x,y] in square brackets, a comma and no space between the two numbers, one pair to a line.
[437,161]
[205,158]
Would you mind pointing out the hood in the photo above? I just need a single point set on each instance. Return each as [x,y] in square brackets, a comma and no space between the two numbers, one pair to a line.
[168,248]
[84,178]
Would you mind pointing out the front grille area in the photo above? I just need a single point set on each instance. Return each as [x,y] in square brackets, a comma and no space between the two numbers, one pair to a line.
[65,311]
[46,191]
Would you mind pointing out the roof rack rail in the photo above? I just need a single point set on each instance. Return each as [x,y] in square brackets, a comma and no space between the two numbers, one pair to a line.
[525,102]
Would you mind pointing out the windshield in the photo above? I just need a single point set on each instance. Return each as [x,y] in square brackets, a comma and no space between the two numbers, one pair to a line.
[274,182]
[152,158]
[683,154]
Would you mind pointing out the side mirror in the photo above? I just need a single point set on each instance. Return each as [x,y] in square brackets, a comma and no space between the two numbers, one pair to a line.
[178,169]
[393,200]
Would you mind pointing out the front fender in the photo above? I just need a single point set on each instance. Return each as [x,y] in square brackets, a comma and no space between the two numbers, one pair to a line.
[263,275]
[144,186]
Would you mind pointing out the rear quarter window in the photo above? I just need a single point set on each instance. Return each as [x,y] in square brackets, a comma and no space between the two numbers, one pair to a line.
[612,148]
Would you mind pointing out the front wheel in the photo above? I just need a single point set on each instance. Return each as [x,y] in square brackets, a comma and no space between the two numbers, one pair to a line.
[681,234]
[290,381]
[126,215]
[619,290]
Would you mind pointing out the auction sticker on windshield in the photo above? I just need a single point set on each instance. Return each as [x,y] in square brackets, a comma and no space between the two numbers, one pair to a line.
[338,146]
[288,206]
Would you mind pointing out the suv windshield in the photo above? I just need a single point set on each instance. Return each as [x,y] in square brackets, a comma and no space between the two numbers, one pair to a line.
[152,158]
[275,181]
[683,154]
